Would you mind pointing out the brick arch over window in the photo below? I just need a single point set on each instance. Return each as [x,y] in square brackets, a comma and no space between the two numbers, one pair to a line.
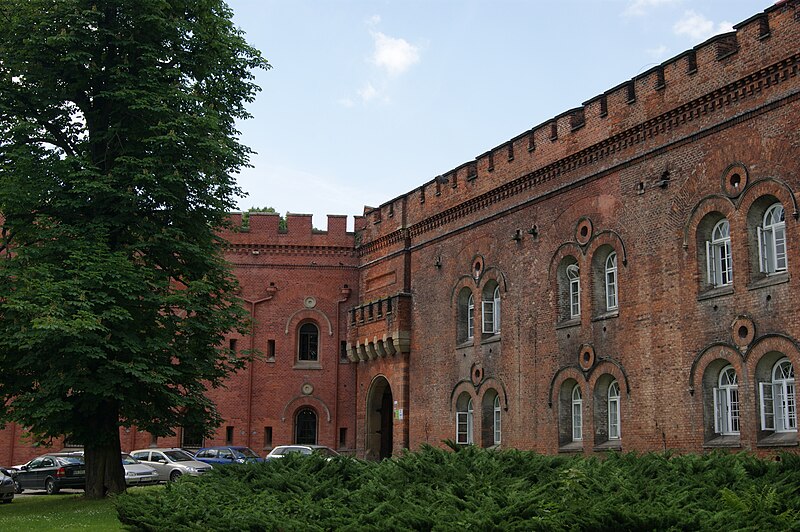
[608,237]
[715,351]
[461,386]
[772,342]
[715,203]
[307,314]
[493,383]
[770,186]
[299,402]
[572,371]
[567,249]
[613,367]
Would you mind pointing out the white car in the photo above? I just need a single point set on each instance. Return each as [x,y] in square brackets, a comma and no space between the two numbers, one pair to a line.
[282,450]
[171,463]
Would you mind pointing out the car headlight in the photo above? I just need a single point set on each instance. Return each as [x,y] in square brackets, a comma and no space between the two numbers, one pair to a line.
[130,474]
[192,469]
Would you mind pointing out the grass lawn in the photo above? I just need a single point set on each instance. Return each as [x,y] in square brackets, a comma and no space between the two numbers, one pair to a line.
[59,513]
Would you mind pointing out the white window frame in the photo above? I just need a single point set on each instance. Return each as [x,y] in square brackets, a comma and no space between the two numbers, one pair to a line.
[497,420]
[496,297]
[612,303]
[574,280]
[772,241]
[471,317]
[490,313]
[614,411]
[464,425]
[719,264]
[726,403]
[778,399]
[577,413]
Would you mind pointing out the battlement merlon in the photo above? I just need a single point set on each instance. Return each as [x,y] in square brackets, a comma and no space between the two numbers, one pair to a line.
[766,38]
[263,229]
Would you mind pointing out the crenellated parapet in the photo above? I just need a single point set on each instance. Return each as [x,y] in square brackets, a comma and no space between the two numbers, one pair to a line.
[263,230]
[715,81]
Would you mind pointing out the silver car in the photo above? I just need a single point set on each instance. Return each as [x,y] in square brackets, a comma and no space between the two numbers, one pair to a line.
[170,463]
[282,450]
[138,474]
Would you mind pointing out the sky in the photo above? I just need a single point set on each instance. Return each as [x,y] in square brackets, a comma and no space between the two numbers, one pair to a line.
[368,100]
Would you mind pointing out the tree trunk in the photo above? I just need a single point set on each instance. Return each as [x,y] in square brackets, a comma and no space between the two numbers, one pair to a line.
[104,472]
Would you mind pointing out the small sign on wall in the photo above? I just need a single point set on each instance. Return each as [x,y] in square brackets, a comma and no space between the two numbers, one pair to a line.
[398,414]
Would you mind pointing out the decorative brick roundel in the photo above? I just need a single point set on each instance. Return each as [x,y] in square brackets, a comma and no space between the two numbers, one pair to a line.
[743,330]
[477,267]
[476,374]
[734,179]
[586,357]
[583,233]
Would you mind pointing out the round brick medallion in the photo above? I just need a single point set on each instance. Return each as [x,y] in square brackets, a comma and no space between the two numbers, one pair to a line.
[586,357]
[734,179]
[583,232]
[743,331]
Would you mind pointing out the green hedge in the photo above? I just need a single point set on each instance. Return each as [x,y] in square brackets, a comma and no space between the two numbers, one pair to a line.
[476,489]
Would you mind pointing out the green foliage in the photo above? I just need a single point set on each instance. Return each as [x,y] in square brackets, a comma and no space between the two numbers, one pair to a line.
[246,217]
[118,141]
[477,489]
[59,513]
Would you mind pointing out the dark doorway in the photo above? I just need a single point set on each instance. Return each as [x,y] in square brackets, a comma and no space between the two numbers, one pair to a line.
[305,429]
[386,424]
[380,424]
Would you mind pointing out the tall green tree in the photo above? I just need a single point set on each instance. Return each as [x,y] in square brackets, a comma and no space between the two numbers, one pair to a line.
[118,143]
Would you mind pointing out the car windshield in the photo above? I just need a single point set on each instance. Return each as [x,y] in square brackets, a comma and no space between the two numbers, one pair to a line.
[129,460]
[324,451]
[245,452]
[67,460]
[179,456]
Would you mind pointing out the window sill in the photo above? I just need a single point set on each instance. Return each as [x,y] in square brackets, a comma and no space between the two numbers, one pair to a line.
[723,442]
[607,316]
[779,439]
[571,447]
[769,280]
[491,339]
[572,322]
[609,445]
[715,292]
[307,365]
[467,343]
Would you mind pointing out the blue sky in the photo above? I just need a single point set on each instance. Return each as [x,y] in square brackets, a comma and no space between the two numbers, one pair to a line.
[367,100]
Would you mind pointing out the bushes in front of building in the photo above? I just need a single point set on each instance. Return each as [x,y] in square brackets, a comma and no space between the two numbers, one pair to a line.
[478,489]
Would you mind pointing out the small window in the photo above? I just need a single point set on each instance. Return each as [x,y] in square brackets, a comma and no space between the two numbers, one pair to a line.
[309,339]
[574,279]
[577,413]
[342,437]
[229,435]
[497,420]
[778,402]
[464,420]
[271,349]
[719,266]
[611,282]
[490,310]
[267,436]
[726,403]
[233,346]
[471,317]
[613,411]
[772,241]
[465,316]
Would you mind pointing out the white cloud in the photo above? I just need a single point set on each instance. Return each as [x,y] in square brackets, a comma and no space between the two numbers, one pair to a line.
[658,52]
[374,20]
[638,8]
[396,55]
[367,92]
[699,28]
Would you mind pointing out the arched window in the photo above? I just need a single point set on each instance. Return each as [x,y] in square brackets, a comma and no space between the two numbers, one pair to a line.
[305,427]
[471,317]
[577,413]
[726,403]
[613,411]
[611,282]
[772,241]
[574,279]
[464,420]
[778,402]
[308,342]
[490,308]
[719,266]
[497,421]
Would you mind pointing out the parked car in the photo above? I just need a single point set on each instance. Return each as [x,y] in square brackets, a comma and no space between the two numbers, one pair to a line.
[171,463]
[221,455]
[282,450]
[51,472]
[137,473]
[7,488]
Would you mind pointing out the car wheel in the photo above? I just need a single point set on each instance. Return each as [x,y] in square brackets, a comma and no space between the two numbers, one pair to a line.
[17,487]
[175,475]
[50,487]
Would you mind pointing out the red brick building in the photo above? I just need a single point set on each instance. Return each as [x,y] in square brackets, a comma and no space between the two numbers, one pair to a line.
[622,276]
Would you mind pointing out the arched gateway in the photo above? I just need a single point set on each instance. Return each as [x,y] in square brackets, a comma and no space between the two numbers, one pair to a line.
[379,419]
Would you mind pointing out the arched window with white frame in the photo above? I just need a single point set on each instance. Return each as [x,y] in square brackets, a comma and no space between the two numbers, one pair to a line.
[464,420]
[497,309]
[611,282]
[471,317]
[726,403]
[613,411]
[719,265]
[574,280]
[490,308]
[577,413]
[772,241]
[497,420]
[778,401]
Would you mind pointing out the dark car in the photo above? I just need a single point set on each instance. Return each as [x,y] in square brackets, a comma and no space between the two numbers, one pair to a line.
[51,472]
[7,488]
[282,450]
[227,454]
